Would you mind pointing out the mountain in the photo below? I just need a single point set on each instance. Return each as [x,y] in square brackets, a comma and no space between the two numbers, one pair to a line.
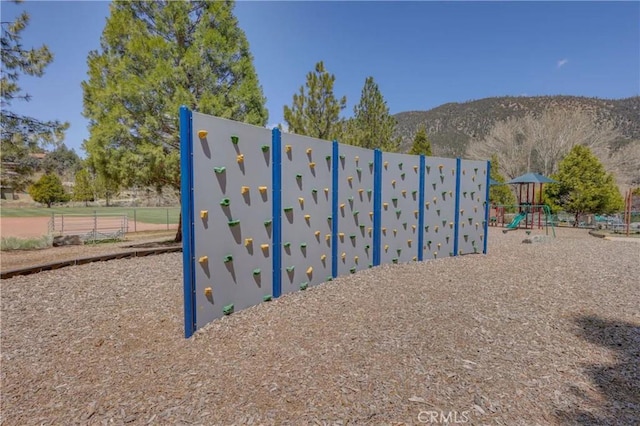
[451,127]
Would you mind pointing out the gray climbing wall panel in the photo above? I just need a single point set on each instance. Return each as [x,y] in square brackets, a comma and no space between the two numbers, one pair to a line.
[232,202]
[355,209]
[473,195]
[400,177]
[306,216]
[439,213]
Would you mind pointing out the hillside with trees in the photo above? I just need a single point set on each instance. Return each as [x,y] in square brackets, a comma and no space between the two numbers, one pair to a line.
[453,127]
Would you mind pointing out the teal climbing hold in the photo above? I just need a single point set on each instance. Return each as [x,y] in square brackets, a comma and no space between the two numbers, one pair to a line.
[228,258]
[304,285]
[225,202]
[314,191]
[267,298]
[256,271]
[219,170]
[234,222]
[352,236]
[228,310]
[303,245]
[290,268]
[287,244]
[355,213]
[267,223]
[329,278]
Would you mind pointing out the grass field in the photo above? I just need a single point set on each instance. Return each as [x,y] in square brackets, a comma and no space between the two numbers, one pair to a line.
[160,215]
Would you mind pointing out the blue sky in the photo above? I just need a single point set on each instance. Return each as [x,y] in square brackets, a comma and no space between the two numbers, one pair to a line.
[422,54]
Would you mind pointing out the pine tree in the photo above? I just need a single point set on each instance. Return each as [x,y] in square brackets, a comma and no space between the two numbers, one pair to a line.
[48,190]
[21,135]
[315,110]
[499,194]
[583,185]
[372,125]
[82,188]
[153,58]
[421,144]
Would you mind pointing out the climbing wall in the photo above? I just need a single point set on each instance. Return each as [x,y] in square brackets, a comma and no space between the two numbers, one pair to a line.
[355,209]
[232,216]
[440,207]
[306,215]
[399,215]
[473,196]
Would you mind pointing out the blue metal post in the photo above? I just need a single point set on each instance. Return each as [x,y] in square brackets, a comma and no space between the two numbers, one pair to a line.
[487,207]
[276,212]
[186,200]
[335,173]
[421,210]
[457,211]
[377,205]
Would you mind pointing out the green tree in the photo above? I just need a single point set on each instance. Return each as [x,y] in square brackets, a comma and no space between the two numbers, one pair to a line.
[153,58]
[316,111]
[421,144]
[21,135]
[48,190]
[83,188]
[583,185]
[372,126]
[499,194]
[62,161]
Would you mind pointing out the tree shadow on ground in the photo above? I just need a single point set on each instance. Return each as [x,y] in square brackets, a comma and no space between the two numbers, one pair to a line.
[618,384]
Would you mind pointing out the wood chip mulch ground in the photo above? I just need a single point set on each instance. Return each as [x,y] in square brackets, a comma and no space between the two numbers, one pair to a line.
[545,333]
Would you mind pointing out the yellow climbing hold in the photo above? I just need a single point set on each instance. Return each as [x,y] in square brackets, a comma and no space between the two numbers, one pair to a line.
[343,255]
[323,257]
[309,150]
[312,165]
[262,188]
[248,242]
[244,190]
[203,259]
[240,158]
[309,270]
[317,233]
[208,291]
[204,214]
[264,246]
[287,148]
[202,134]
[307,216]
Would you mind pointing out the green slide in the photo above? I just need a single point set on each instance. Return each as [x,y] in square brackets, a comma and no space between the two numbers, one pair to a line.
[515,222]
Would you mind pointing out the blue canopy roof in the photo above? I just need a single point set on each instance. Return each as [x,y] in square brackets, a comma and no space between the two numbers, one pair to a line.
[532,178]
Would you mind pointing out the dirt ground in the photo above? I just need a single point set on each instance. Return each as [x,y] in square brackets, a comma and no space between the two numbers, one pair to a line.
[30,227]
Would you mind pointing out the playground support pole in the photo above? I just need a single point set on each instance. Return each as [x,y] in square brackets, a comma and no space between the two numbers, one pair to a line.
[186,193]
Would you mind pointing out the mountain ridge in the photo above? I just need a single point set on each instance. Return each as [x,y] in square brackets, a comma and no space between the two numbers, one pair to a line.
[454,125]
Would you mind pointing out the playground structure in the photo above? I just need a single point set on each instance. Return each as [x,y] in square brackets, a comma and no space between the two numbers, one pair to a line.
[531,214]
[266,213]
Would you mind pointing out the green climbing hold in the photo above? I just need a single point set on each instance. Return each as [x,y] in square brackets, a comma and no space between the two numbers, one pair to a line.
[314,191]
[358,170]
[352,270]
[353,237]
[234,222]
[290,268]
[370,163]
[288,209]
[342,156]
[265,148]
[328,157]
[228,258]
[256,271]
[234,140]
[219,170]
[228,310]
[225,202]
[267,223]
[367,247]
[394,260]
[402,176]
[329,278]
[399,251]
[303,245]
[287,244]
[356,212]
[400,166]
[267,298]
[298,176]
[304,285]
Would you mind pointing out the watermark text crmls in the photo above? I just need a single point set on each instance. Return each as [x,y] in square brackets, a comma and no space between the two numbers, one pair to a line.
[443,417]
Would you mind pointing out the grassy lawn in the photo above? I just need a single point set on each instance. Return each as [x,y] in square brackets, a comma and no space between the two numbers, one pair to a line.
[141,214]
